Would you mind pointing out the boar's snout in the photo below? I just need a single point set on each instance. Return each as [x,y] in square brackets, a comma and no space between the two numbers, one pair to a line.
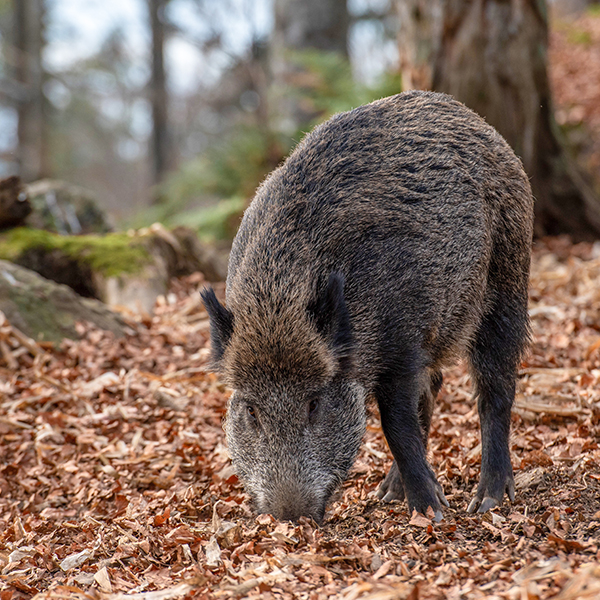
[289,487]
[291,504]
[292,453]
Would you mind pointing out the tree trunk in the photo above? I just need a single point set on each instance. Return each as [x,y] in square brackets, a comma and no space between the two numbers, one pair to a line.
[29,42]
[319,24]
[303,25]
[158,93]
[492,55]
[419,40]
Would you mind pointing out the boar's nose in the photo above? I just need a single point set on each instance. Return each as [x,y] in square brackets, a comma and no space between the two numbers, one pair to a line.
[293,506]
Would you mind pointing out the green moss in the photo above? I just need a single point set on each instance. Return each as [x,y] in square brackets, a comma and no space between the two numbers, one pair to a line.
[111,254]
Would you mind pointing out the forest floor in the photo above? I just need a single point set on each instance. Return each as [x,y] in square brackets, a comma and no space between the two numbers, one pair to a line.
[574,58]
[114,476]
[115,481]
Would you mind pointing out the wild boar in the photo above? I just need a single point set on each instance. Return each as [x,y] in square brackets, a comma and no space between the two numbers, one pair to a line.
[394,239]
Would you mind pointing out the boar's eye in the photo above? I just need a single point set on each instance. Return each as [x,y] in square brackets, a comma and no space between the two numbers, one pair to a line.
[251,411]
[312,407]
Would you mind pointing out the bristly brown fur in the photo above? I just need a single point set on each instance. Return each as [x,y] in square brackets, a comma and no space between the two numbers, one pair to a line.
[272,350]
[395,238]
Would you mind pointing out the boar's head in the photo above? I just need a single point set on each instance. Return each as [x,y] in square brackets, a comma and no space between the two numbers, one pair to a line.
[296,417]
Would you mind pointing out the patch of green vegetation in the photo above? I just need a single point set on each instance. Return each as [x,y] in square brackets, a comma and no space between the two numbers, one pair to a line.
[579,36]
[577,31]
[217,222]
[209,192]
[230,169]
[217,184]
[330,87]
[111,254]
[593,10]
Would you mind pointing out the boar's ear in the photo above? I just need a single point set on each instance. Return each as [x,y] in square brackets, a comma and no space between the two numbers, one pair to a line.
[332,319]
[221,323]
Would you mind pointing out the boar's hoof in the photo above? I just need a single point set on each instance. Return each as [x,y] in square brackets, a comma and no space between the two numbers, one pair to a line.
[392,487]
[426,496]
[485,499]
[486,504]
[391,495]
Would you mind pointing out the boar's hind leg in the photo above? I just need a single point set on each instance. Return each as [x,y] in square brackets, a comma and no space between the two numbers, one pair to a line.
[494,358]
[405,421]
[392,487]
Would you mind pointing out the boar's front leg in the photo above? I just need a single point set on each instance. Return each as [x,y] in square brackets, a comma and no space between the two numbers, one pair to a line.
[411,476]
[392,487]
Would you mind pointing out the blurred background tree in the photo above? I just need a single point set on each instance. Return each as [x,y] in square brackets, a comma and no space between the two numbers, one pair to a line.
[29,77]
[492,55]
[174,110]
[159,99]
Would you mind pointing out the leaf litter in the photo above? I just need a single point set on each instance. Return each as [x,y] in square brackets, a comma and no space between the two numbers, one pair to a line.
[115,480]
[574,72]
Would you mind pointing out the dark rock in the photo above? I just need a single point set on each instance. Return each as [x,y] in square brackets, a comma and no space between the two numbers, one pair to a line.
[45,310]
[14,203]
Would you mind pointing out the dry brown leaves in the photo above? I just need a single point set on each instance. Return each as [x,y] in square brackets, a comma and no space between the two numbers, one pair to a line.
[574,57]
[115,481]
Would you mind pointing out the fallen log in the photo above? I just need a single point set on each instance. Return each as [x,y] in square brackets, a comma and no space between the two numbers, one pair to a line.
[14,202]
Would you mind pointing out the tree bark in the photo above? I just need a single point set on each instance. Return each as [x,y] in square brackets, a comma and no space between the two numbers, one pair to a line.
[158,93]
[302,25]
[29,73]
[319,24]
[492,55]
[419,40]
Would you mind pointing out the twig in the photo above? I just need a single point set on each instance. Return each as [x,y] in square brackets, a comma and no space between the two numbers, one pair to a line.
[26,341]
[541,407]
[8,357]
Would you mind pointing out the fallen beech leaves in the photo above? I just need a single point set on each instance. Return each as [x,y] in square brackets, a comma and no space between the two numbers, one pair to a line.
[574,72]
[115,481]
[420,521]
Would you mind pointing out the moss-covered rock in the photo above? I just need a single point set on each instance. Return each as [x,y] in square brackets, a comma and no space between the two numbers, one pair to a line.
[125,269]
[81,262]
[45,310]
[111,254]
